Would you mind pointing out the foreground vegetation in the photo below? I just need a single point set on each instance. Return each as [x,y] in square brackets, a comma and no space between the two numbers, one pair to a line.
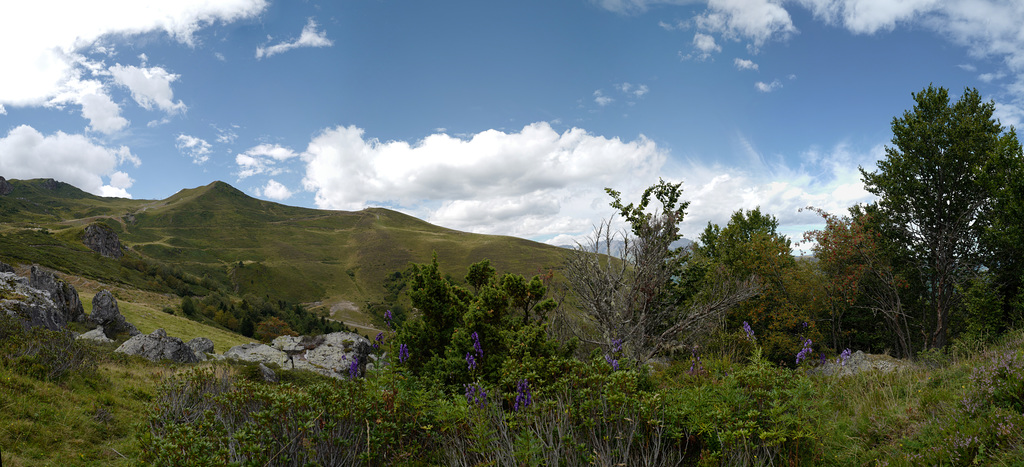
[963,407]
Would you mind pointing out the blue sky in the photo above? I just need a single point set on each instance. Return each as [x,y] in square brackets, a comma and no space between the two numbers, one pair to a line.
[493,117]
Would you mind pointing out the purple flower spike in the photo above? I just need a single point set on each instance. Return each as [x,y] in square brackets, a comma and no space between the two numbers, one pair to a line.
[611,361]
[476,345]
[353,369]
[470,361]
[377,341]
[843,357]
[804,352]
[403,353]
[748,331]
[523,396]
[617,345]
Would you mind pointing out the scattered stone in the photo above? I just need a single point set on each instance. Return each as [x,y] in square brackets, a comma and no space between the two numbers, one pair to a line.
[268,375]
[5,187]
[103,240]
[860,362]
[96,335]
[259,353]
[63,295]
[106,313]
[158,346]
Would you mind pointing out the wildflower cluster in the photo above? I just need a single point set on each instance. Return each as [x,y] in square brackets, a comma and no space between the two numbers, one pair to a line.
[804,352]
[353,369]
[403,353]
[611,358]
[612,362]
[523,396]
[476,395]
[843,357]
[748,331]
[696,367]
[377,341]
[388,318]
[470,361]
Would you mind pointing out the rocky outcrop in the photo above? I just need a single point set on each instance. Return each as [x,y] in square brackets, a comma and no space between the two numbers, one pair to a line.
[51,184]
[338,355]
[258,353]
[62,294]
[96,335]
[103,240]
[201,346]
[158,346]
[4,267]
[860,362]
[5,187]
[31,305]
[106,313]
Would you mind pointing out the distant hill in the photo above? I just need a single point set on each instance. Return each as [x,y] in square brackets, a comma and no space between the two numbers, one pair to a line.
[217,236]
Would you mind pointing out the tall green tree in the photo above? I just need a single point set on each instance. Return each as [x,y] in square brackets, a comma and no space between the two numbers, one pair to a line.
[934,190]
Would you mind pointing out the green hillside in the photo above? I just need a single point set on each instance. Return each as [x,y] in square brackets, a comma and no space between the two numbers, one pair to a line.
[217,238]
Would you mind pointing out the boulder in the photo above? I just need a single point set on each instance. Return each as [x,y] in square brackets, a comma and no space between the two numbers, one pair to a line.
[5,187]
[96,335]
[860,362]
[201,346]
[63,295]
[106,314]
[103,240]
[258,353]
[158,346]
[31,305]
[4,267]
[268,375]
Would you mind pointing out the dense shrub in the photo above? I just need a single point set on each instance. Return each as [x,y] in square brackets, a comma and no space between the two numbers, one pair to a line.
[42,353]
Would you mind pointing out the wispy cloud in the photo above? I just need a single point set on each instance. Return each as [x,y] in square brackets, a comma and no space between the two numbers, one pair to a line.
[195,148]
[744,64]
[768,87]
[310,37]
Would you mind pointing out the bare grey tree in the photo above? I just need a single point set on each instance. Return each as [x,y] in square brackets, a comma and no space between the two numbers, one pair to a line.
[621,287]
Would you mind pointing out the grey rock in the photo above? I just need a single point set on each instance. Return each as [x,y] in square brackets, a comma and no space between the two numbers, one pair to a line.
[32,306]
[63,295]
[268,375]
[4,267]
[96,335]
[258,353]
[158,346]
[5,187]
[106,313]
[201,345]
[51,184]
[860,362]
[103,240]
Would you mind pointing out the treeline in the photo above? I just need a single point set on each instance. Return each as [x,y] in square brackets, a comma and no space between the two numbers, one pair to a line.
[258,318]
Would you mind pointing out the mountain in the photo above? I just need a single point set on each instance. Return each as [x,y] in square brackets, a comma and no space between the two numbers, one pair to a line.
[215,236]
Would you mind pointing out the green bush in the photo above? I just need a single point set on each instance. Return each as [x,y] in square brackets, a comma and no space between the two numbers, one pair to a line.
[41,353]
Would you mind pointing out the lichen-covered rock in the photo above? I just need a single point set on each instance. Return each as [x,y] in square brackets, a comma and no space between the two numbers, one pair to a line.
[158,346]
[31,305]
[860,362]
[106,313]
[201,346]
[258,353]
[63,295]
[268,375]
[103,240]
[96,335]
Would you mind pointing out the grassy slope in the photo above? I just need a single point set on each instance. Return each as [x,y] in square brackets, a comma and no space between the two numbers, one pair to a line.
[262,248]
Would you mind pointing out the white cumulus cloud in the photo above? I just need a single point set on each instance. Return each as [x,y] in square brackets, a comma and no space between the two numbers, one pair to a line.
[601,99]
[529,183]
[310,37]
[46,41]
[26,153]
[744,64]
[262,159]
[196,148]
[755,20]
[149,86]
[706,45]
[274,190]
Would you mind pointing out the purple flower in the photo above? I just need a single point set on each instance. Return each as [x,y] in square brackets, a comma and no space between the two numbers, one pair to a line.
[377,341]
[476,345]
[353,369]
[749,331]
[804,352]
[387,317]
[523,396]
[403,353]
[611,361]
[695,365]
[470,361]
[843,357]
[476,395]
[617,345]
